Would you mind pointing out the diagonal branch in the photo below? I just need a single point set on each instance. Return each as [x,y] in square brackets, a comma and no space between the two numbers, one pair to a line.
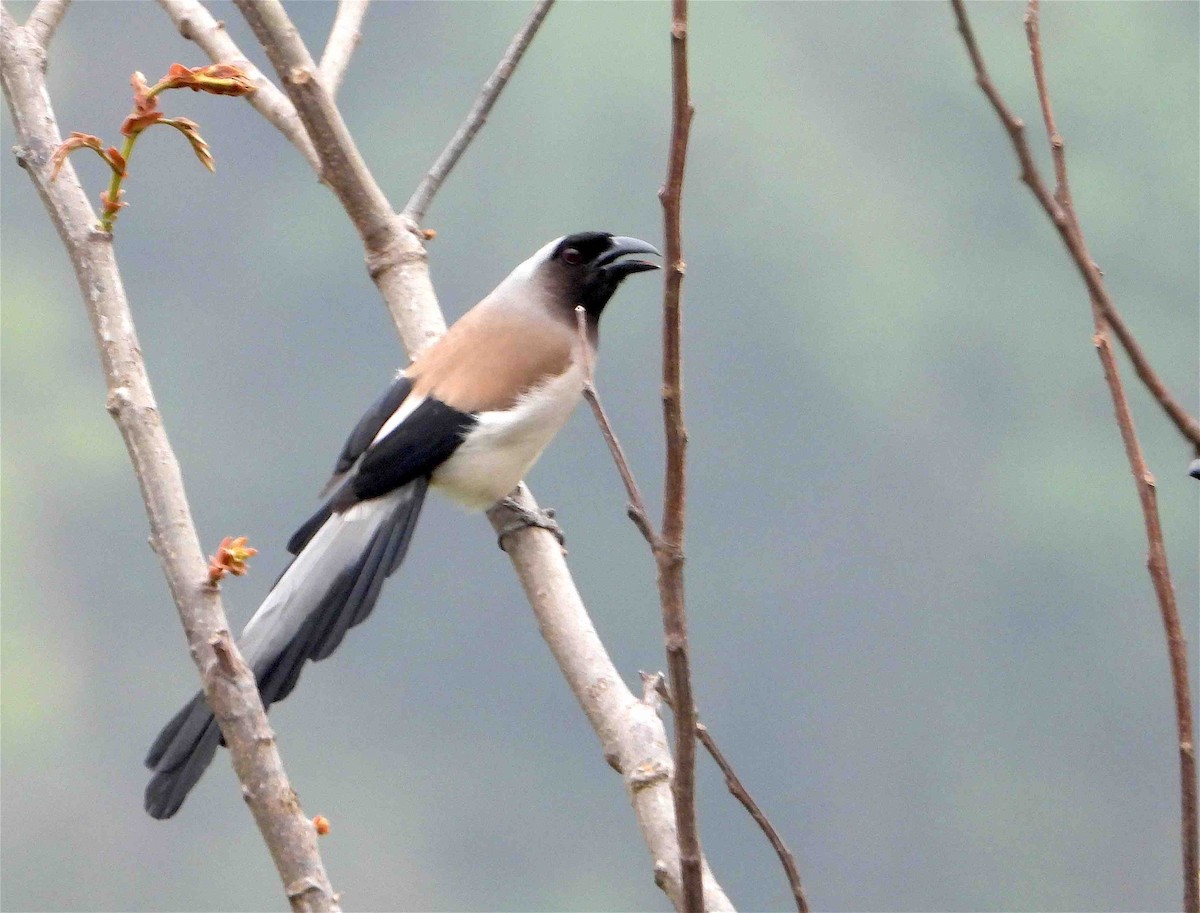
[228,684]
[44,20]
[196,23]
[1061,210]
[343,40]
[631,734]
[396,259]
[738,790]
[1188,426]
[419,202]
[637,505]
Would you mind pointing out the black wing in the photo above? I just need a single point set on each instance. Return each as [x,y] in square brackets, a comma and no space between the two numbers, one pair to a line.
[414,448]
[368,426]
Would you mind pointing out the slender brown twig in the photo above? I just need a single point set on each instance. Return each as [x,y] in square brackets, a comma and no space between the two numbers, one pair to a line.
[637,506]
[669,554]
[655,683]
[738,790]
[228,683]
[343,39]
[1061,210]
[1187,425]
[419,202]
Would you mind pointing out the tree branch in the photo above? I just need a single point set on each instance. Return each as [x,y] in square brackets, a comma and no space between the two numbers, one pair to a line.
[655,683]
[396,258]
[738,790]
[632,736]
[637,506]
[44,20]
[1187,425]
[196,23]
[419,202]
[669,555]
[229,685]
[343,40]
[1061,210]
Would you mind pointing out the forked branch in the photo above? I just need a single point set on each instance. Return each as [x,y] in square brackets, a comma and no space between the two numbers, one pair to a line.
[1061,210]
[229,685]
[1187,425]
[738,790]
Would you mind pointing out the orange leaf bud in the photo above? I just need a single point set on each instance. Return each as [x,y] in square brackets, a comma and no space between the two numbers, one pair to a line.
[69,145]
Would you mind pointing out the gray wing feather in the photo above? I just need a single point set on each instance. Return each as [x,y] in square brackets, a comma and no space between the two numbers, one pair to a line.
[330,587]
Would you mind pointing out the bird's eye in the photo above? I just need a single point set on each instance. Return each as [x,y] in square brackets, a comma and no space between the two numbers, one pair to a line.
[570,256]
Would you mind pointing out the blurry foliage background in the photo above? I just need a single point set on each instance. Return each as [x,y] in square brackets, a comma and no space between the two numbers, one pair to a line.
[921,620]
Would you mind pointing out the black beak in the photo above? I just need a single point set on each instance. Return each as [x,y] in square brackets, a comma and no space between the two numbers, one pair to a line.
[619,247]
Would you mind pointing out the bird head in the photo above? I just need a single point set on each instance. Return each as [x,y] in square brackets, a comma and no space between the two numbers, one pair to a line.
[585,268]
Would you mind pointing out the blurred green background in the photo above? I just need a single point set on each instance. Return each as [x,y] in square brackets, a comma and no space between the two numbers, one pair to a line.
[921,623]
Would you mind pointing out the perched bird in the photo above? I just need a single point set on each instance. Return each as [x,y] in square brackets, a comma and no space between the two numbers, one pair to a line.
[470,416]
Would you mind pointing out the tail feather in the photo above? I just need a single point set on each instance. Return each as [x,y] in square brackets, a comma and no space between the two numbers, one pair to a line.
[331,586]
[179,756]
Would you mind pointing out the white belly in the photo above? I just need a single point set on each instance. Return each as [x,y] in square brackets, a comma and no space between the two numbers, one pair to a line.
[502,447]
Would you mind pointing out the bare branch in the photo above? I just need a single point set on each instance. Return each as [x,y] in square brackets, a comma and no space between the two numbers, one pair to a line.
[670,555]
[1061,210]
[1187,425]
[396,258]
[419,202]
[44,20]
[637,506]
[196,23]
[229,685]
[343,39]
[632,736]
[739,792]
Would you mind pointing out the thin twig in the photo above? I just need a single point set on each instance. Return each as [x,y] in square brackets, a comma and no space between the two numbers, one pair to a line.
[343,39]
[632,736]
[44,20]
[738,790]
[1187,425]
[740,793]
[670,554]
[1147,492]
[419,202]
[656,684]
[1061,210]
[228,684]
[637,506]
[196,23]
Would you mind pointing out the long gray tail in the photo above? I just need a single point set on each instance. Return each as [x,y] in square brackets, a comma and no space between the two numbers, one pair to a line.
[330,586]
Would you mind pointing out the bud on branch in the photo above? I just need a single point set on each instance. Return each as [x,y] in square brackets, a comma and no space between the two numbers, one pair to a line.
[231,557]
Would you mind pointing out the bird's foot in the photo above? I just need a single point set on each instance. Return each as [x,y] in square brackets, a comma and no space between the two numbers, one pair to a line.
[521,518]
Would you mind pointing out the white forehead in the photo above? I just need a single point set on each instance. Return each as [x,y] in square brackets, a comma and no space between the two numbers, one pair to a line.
[525,270]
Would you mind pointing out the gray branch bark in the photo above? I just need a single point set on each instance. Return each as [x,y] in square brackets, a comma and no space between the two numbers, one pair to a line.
[343,39]
[228,684]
